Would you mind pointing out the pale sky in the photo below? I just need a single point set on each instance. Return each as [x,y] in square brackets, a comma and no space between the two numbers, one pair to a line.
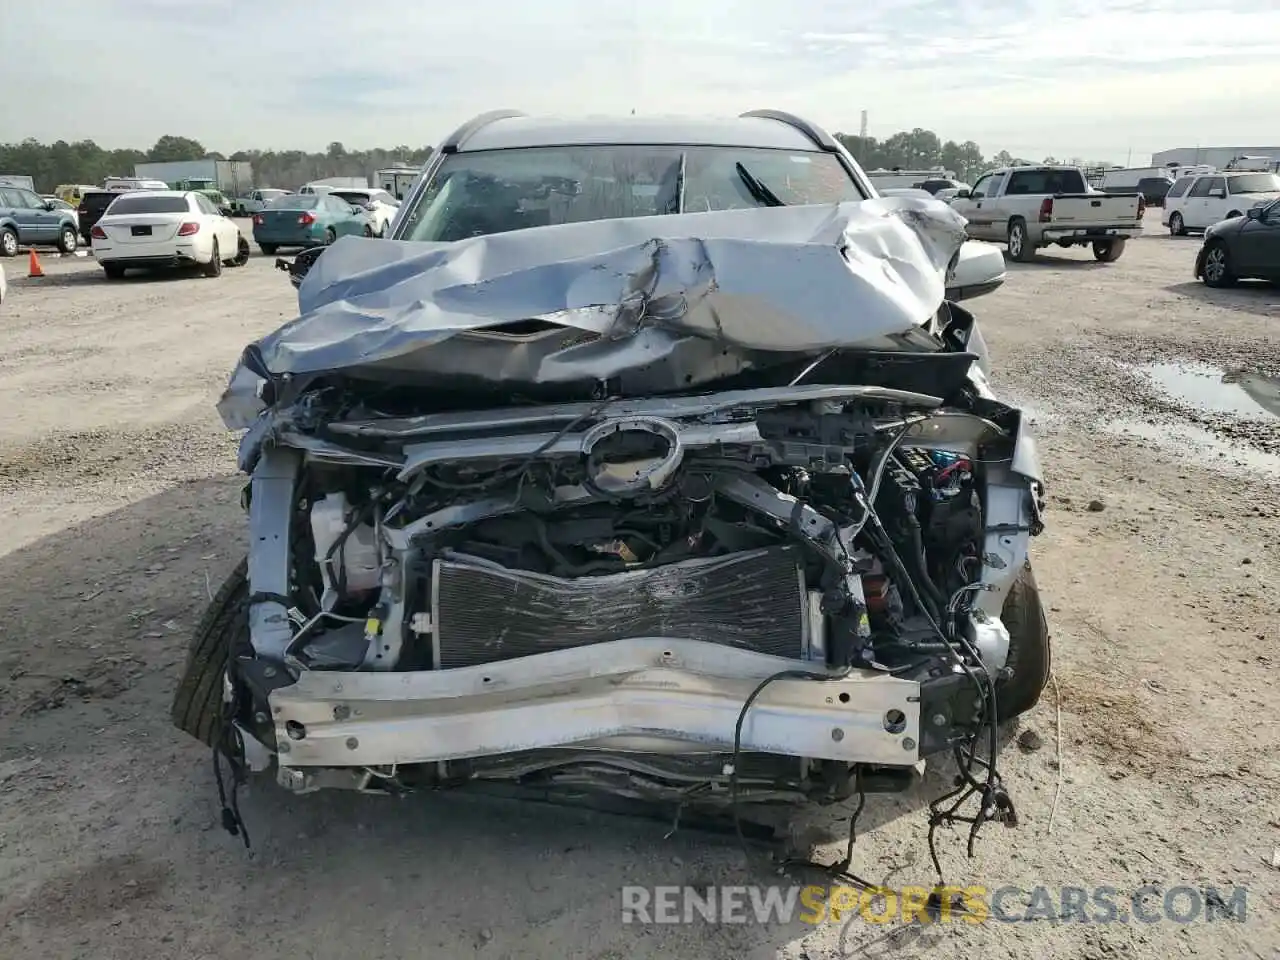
[1034,77]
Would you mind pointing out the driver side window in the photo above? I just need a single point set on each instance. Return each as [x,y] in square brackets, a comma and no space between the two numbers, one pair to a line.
[981,187]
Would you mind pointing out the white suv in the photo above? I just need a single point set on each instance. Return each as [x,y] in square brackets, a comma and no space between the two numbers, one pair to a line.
[1196,203]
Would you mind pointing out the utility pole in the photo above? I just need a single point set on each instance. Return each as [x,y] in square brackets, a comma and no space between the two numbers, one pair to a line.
[862,129]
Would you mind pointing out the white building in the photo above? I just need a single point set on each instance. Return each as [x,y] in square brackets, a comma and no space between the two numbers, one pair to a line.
[1213,156]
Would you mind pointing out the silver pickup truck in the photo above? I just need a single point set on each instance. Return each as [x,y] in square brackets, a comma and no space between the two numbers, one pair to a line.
[1033,207]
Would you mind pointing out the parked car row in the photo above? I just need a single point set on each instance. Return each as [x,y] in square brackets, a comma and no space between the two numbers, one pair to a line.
[157,229]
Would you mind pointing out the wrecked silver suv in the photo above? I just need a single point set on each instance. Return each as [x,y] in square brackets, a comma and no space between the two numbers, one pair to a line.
[592,482]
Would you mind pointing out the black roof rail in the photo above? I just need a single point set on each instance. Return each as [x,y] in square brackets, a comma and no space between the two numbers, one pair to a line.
[819,137]
[473,126]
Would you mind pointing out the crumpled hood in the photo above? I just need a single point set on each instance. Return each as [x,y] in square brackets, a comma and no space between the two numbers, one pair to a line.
[693,291]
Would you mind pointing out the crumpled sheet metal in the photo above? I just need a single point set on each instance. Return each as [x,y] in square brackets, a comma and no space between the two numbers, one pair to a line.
[783,279]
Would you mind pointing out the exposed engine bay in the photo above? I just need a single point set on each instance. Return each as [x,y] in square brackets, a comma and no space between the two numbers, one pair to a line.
[845,528]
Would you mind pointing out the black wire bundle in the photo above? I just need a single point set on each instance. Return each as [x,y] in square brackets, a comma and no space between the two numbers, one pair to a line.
[994,799]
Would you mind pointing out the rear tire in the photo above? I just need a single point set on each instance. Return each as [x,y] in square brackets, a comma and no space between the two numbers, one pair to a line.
[269,249]
[330,235]
[113,271]
[1177,227]
[8,242]
[68,240]
[197,703]
[1108,251]
[242,252]
[368,231]
[1020,247]
[1233,214]
[214,267]
[1030,656]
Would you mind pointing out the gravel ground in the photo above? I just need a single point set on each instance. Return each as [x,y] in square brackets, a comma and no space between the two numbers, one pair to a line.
[1160,566]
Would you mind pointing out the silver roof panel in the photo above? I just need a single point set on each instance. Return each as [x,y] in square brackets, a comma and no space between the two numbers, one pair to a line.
[511,132]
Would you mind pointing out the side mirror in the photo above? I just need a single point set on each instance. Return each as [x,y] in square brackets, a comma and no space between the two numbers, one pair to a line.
[978,269]
[962,194]
[1254,213]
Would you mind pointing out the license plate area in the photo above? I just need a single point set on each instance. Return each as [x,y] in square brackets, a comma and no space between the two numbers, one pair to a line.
[140,231]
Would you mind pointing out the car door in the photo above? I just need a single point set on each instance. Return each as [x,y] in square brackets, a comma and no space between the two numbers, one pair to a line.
[977,208]
[345,219]
[35,223]
[222,228]
[1213,204]
[10,208]
[1176,198]
[1257,248]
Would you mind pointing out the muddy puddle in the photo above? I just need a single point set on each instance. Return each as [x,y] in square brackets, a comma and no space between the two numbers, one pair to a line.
[1208,389]
[1244,406]
[1203,446]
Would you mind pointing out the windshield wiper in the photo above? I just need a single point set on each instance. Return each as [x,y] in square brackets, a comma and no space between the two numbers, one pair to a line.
[759,192]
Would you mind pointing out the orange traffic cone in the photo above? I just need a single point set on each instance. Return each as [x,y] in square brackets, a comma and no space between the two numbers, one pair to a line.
[35,270]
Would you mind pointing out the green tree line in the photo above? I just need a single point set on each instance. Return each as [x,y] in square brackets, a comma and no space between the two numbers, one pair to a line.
[51,164]
[83,161]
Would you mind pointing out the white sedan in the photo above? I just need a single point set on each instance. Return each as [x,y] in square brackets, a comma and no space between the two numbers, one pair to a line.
[380,205]
[149,229]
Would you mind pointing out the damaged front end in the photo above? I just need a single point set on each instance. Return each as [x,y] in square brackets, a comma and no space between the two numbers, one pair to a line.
[709,509]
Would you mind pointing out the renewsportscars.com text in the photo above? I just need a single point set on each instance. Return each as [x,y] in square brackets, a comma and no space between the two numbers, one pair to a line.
[972,904]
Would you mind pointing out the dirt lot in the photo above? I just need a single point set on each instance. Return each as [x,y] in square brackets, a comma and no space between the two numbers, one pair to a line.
[120,513]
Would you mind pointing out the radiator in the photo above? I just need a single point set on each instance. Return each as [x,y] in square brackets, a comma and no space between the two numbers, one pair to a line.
[483,612]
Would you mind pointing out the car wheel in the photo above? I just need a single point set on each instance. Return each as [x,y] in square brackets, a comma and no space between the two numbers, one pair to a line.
[330,235]
[113,271]
[268,249]
[1233,214]
[1217,265]
[242,252]
[1176,227]
[214,267]
[1020,247]
[368,230]
[68,240]
[1108,251]
[8,242]
[197,703]
[382,230]
[1030,655]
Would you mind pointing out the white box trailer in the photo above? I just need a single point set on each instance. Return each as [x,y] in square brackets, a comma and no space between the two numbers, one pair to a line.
[397,181]
[127,184]
[329,184]
[17,180]
[232,177]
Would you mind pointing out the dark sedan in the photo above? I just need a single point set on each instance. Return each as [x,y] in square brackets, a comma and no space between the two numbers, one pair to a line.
[1242,248]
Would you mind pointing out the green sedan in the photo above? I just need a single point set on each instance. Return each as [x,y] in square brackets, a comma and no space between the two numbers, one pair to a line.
[310,220]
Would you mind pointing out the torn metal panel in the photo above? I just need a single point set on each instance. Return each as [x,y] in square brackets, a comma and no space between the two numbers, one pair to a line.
[673,301]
